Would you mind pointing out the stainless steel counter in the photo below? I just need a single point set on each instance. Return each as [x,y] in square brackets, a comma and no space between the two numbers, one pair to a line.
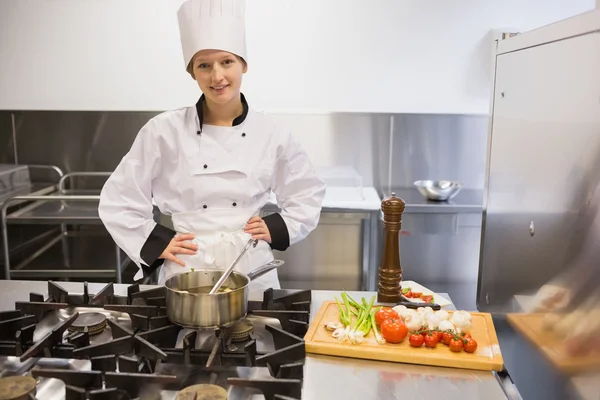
[338,377]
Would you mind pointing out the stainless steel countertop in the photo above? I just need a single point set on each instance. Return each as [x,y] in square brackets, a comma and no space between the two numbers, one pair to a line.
[335,377]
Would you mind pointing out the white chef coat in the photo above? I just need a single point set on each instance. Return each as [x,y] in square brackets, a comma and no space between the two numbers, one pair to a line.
[211,180]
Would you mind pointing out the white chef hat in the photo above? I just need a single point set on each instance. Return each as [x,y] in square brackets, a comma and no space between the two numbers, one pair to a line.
[212,24]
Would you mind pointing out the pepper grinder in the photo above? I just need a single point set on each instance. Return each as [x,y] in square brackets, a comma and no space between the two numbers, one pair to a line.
[390,272]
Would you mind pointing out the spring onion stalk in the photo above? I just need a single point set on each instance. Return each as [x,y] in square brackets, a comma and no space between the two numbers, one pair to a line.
[352,302]
[347,303]
[345,317]
[378,336]
[366,326]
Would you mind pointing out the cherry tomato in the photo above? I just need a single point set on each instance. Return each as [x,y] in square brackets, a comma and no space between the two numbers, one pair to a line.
[466,335]
[456,345]
[431,340]
[446,338]
[416,295]
[439,335]
[385,313]
[470,345]
[393,330]
[416,340]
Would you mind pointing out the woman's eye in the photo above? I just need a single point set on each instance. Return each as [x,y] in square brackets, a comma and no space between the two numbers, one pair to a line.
[228,61]
[204,65]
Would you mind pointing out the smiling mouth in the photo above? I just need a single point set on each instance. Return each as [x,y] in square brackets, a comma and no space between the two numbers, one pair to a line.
[219,88]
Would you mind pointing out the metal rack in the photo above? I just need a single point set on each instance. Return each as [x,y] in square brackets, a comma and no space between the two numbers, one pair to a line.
[61,204]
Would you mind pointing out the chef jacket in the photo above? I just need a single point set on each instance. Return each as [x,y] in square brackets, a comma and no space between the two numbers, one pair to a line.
[211,180]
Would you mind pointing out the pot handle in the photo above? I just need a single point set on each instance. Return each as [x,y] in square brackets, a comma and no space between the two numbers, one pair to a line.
[260,271]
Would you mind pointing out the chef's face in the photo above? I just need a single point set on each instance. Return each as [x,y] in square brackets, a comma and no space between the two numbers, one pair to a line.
[219,74]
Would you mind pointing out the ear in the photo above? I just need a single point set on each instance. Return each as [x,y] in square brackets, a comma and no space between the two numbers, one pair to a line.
[245,69]
[190,69]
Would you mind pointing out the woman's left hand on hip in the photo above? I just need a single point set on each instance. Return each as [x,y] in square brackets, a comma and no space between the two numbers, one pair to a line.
[258,229]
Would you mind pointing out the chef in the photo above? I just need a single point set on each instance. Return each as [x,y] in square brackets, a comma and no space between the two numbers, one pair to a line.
[211,167]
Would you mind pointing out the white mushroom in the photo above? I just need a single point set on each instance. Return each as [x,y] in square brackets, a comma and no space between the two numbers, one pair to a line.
[433,320]
[414,321]
[425,310]
[402,311]
[465,314]
[461,322]
[442,314]
[446,326]
[332,326]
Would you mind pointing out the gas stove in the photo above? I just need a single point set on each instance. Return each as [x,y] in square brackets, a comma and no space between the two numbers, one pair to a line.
[104,346]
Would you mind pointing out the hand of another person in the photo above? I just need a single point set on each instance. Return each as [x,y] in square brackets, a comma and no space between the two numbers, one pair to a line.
[257,227]
[179,245]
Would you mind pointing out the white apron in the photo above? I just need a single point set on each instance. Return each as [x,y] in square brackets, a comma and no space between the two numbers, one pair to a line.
[220,237]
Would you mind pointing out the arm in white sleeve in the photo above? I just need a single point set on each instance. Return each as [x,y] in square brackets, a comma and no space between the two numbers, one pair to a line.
[126,203]
[299,191]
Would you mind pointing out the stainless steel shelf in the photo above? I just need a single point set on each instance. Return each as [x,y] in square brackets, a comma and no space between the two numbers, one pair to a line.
[49,211]
[467,201]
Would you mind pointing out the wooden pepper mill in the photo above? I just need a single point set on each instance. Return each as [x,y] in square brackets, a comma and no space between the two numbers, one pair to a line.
[390,272]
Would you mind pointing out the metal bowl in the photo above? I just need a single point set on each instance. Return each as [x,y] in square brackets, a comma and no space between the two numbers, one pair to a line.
[438,190]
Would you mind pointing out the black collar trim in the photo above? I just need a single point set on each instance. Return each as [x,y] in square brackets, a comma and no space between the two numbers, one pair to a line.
[237,121]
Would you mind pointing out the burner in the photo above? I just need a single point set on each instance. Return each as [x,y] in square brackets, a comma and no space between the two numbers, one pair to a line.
[202,392]
[16,387]
[241,331]
[94,323]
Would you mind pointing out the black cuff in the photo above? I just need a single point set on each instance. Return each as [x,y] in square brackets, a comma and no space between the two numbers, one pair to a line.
[157,242]
[280,237]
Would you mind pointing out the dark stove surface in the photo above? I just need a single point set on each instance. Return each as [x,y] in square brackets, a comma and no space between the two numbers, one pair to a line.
[141,354]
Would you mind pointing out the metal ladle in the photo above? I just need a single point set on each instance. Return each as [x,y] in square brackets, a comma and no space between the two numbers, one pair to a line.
[223,278]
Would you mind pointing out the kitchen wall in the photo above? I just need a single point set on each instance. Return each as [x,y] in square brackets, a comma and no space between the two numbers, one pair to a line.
[423,147]
[311,56]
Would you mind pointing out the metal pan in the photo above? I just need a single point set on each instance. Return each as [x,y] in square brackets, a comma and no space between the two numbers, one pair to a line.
[199,309]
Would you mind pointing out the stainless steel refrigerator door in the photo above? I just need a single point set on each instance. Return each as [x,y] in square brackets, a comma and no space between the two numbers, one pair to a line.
[543,167]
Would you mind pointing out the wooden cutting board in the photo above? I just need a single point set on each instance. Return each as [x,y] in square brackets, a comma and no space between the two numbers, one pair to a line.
[550,344]
[486,357]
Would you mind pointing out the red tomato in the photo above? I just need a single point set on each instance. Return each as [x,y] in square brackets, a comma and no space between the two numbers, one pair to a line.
[439,335]
[416,340]
[446,338]
[431,340]
[456,345]
[466,335]
[393,330]
[408,294]
[385,313]
[470,345]
[427,298]
[417,295]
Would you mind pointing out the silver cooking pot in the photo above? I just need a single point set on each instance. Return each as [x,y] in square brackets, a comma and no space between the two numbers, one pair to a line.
[203,310]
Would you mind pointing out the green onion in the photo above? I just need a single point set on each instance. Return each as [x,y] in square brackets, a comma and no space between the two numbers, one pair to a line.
[344,317]
[378,336]
[358,319]
[353,303]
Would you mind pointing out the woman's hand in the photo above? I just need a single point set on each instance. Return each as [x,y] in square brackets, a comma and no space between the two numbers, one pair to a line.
[258,229]
[179,245]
